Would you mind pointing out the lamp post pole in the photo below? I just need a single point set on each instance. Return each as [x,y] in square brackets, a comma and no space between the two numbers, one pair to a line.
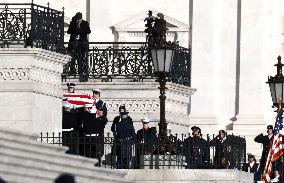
[162,125]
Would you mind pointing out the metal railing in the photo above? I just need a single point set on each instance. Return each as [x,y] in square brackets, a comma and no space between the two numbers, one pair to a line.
[42,27]
[31,25]
[123,60]
[171,152]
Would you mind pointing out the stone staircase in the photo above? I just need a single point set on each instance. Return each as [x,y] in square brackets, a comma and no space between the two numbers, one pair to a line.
[24,160]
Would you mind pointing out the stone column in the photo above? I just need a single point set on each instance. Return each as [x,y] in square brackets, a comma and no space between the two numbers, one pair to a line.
[257,44]
[30,89]
[215,51]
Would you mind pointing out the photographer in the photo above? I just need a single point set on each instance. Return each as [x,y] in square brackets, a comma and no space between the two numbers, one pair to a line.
[159,30]
[156,29]
[78,45]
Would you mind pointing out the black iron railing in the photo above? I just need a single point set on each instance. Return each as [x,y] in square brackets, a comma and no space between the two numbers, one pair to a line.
[31,25]
[123,60]
[179,152]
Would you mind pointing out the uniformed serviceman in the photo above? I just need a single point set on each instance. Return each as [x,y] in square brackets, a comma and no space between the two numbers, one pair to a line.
[118,118]
[99,103]
[266,141]
[146,139]
[124,139]
[69,127]
[219,143]
[93,128]
[71,87]
[196,150]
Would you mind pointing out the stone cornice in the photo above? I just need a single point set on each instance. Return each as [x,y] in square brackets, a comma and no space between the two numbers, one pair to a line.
[48,55]
[33,69]
[145,85]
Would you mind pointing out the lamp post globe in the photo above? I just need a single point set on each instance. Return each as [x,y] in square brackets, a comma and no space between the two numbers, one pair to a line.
[276,85]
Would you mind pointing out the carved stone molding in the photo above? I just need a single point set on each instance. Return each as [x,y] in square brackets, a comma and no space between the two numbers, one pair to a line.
[14,74]
[133,105]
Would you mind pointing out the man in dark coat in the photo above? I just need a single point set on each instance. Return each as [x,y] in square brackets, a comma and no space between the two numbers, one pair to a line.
[219,142]
[69,127]
[100,105]
[159,30]
[118,118]
[196,150]
[252,167]
[78,45]
[93,128]
[124,138]
[266,141]
[146,139]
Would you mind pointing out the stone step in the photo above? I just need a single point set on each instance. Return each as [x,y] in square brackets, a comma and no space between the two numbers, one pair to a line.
[44,174]
[22,156]
[28,150]
[55,163]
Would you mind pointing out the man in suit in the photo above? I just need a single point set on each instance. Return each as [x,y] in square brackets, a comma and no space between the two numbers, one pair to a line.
[266,141]
[78,45]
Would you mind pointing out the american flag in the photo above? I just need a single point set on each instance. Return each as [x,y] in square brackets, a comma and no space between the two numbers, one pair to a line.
[79,99]
[276,149]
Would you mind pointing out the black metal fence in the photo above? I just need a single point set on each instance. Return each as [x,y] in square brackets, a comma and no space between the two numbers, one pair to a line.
[42,27]
[122,60]
[31,25]
[178,152]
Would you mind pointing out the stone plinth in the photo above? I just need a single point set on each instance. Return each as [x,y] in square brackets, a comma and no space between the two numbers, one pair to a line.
[30,89]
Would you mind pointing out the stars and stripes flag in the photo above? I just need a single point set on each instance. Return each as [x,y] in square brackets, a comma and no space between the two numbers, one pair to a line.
[78,100]
[276,149]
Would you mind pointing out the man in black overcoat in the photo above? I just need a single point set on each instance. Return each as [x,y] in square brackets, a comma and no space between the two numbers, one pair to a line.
[78,45]
[219,142]
[159,30]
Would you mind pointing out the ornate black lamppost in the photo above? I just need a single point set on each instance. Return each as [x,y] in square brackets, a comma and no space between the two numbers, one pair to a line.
[162,54]
[276,85]
[162,59]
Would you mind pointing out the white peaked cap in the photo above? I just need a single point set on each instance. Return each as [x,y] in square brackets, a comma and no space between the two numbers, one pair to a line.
[96,89]
[66,104]
[145,120]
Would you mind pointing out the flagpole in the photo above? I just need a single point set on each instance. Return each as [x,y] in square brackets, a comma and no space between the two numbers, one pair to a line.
[279,109]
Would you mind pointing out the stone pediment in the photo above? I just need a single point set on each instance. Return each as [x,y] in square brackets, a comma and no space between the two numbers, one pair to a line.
[136,23]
